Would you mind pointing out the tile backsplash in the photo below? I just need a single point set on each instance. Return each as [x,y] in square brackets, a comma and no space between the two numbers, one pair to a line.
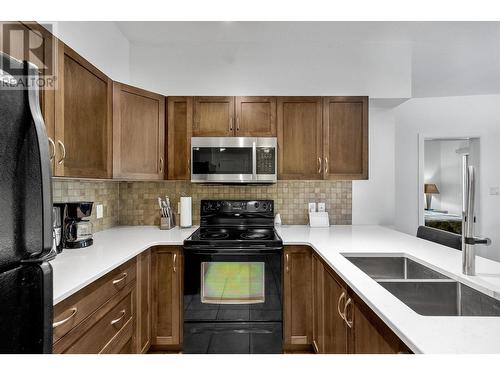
[135,203]
[105,192]
[138,200]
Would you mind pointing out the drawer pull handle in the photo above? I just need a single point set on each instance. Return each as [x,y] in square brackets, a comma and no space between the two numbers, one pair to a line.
[73,310]
[287,264]
[348,322]
[117,320]
[175,262]
[315,347]
[342,296]
[117,281]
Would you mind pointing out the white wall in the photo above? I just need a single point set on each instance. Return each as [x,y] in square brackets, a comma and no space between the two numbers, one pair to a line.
[451,176]
[379,70]
[449,117]
[101,43]
[373,200]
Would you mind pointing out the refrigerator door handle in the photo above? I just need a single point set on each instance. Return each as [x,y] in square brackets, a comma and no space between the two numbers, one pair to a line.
[45,172]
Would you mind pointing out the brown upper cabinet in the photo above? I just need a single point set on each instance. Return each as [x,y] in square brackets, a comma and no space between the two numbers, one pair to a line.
[83,118]
[180,119]
[255,116]
[138,133]
[240,116]
[300,143]
[323,138]
[213,116]
[345,129]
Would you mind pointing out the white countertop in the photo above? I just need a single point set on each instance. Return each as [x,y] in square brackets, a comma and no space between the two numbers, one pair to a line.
[74,269]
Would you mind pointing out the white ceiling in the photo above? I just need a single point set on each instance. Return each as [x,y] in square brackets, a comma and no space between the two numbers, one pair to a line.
[448,58]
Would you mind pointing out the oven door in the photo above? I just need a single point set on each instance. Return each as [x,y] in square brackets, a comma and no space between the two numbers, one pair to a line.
[232,301]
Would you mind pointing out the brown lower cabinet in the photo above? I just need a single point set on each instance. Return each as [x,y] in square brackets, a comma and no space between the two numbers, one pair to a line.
[297,298]
[138,306]
[130,309]
[341,322]
[166,265]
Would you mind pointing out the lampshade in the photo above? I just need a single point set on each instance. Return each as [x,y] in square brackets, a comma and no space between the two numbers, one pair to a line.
[431,189]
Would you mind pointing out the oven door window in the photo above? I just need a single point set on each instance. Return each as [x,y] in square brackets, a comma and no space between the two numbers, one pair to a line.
[222,160]
[232,282]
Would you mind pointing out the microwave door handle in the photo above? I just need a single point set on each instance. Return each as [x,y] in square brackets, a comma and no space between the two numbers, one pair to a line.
[254,161]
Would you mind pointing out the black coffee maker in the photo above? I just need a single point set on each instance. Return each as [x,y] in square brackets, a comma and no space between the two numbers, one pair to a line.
[76,228]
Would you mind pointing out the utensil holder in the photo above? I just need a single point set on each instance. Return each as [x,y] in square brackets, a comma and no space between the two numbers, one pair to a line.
[165,223]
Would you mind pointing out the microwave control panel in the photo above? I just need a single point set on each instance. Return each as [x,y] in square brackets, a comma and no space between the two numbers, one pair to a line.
[266,158]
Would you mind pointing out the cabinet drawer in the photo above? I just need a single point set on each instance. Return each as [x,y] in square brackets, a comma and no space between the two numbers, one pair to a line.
[75,309]
[108,330]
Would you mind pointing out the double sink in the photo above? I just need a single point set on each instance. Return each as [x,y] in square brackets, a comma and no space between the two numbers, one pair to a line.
[424,290]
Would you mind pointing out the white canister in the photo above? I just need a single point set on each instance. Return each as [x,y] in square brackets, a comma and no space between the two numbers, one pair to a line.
[186,218]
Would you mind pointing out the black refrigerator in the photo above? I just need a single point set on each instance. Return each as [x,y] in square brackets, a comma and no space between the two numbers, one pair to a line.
[25,214]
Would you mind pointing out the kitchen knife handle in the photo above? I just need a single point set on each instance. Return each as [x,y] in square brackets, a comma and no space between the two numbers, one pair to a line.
[74,310]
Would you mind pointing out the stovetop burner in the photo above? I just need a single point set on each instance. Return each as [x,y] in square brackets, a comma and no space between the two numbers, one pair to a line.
[254,235]
[218,235]
[229,225]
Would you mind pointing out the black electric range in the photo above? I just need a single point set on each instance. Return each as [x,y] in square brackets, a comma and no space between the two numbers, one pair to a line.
[233,280]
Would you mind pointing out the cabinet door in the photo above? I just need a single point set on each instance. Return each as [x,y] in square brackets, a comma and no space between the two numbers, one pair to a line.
[370,335]
[83,118]
[167,294]
[335,329]
[297,297]
[300,138]
[32,42]
[138,133]
[255,116]
[213,116]
[143,324]
[345,129]
[180,122]
[318,305]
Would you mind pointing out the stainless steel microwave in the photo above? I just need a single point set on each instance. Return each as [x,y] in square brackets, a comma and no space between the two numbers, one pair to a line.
[243,160]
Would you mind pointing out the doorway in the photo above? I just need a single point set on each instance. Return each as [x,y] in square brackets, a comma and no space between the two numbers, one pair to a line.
[441,181]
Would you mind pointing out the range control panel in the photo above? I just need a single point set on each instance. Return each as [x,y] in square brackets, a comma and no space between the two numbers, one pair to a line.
[236,206]
[266,160]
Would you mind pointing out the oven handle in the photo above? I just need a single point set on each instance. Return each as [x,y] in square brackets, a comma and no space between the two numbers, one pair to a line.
[233,252]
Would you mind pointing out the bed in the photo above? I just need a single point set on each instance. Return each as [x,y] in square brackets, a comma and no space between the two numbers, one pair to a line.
[442,220]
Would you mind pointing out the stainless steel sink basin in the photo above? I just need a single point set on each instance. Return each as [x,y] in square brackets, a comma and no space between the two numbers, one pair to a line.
[425,291]
[393,267]
[443,298]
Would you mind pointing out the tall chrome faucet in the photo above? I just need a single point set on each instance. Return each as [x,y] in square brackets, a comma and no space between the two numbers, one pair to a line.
[469,219]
